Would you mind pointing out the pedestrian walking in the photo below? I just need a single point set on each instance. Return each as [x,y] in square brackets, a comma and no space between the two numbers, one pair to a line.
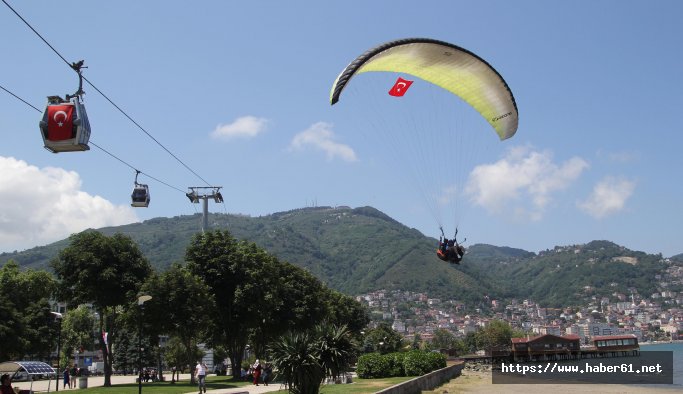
[257,371]
[200,373]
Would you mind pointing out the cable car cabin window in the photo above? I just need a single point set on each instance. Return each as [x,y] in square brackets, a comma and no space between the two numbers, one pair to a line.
[140,196]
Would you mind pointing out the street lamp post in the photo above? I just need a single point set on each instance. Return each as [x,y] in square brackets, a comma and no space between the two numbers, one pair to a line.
[141,300]
[58,317]
[159,375]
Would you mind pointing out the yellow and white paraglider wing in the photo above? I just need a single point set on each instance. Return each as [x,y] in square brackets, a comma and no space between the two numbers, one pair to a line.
[448,66]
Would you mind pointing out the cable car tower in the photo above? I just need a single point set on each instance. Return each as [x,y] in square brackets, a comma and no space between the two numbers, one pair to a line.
[197,193]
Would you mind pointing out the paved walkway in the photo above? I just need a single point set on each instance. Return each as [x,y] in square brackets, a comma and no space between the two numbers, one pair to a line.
[251,389]
[96,381]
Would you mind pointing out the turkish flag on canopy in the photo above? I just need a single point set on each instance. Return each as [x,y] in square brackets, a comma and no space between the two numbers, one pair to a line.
[400,87]
[59,122]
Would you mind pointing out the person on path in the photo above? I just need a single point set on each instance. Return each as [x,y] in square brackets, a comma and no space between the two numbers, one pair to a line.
[257,371]
[200,373]
[267,371]
[73,372]
[67,381]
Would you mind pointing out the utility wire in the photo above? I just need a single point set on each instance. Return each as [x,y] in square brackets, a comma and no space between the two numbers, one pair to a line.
[105,96]
[97,146]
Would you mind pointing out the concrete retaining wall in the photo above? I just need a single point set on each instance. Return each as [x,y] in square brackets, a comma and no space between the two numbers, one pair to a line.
[425,382]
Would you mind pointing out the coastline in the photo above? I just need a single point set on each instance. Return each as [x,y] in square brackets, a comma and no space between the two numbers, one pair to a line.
[661,342]
[481,382]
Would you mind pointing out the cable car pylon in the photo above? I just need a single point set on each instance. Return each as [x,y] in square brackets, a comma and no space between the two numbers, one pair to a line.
[197,193]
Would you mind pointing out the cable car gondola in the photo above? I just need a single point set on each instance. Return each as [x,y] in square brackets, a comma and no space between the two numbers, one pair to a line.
[65,126]
[140,195]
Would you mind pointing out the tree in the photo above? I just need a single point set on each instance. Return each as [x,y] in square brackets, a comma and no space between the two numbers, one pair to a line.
[25,321]
[443,339]
[296,360]
[125,358]
[217,258]
[256,296]
[304,359]
[105,271]
[345,310]
[383,339]
[496,335]
[182,306]
[77,332]
[335,349]
[176,354]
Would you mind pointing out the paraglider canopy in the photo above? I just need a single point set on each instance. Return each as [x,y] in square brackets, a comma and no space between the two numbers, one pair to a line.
[435,121]
[448,66]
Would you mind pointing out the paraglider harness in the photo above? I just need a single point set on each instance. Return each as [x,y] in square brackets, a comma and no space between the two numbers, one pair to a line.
[449,249]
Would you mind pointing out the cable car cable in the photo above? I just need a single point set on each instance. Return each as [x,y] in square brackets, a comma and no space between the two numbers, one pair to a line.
[99,147]
[20,99]
[105,96]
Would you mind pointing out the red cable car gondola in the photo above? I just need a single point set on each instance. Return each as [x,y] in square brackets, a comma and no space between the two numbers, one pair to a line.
[65,126]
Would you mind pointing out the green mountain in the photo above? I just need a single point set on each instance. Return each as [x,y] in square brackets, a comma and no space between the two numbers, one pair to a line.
[351,250]
[362,249]
[581,273]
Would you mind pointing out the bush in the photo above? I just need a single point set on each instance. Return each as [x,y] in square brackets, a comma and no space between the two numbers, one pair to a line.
[436,361]
[395,361]
[372,366]
[412,363]
[416,363]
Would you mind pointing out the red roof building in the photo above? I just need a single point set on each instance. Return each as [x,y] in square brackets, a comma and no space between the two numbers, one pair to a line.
[546,347]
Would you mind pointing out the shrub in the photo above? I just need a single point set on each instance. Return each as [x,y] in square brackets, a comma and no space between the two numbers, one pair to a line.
[416,363]
[372,365]
[395,361]
[436,361]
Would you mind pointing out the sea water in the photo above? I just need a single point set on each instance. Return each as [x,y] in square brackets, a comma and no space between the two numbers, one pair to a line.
[677,349]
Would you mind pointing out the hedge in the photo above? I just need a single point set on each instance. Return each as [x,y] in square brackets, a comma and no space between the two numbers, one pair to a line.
[412,363]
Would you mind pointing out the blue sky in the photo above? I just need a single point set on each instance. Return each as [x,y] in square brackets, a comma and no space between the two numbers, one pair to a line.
[239,91]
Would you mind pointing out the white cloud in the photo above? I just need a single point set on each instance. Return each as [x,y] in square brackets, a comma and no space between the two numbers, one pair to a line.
[608,197]
[522,183]
[620,156]
[320,136]
[244,127]
[43,205]
[447,195]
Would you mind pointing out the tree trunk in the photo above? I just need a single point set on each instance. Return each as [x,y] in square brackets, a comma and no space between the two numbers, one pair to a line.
[190,360]
[106,351]
[236,353]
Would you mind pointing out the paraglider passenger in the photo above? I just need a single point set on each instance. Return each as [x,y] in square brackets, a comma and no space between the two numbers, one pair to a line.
[449,250]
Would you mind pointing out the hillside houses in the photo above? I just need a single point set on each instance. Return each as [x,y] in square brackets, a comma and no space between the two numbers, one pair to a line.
[411,313]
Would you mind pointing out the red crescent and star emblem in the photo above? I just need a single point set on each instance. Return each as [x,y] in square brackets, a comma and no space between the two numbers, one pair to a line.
[400,87]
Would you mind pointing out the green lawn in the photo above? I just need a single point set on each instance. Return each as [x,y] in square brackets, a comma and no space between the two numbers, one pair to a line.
[212,383]
[359,386]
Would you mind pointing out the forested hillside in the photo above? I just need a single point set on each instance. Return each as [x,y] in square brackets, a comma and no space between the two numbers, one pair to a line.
[360,250]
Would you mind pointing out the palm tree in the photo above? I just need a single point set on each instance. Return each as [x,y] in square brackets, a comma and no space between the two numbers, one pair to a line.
[304,359]
[294,356]
[336,350]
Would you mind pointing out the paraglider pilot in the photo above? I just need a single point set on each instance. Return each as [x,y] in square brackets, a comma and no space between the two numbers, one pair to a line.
[449,249]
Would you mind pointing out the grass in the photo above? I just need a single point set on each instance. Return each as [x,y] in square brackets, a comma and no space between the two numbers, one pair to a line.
[184,386]
[359,386]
